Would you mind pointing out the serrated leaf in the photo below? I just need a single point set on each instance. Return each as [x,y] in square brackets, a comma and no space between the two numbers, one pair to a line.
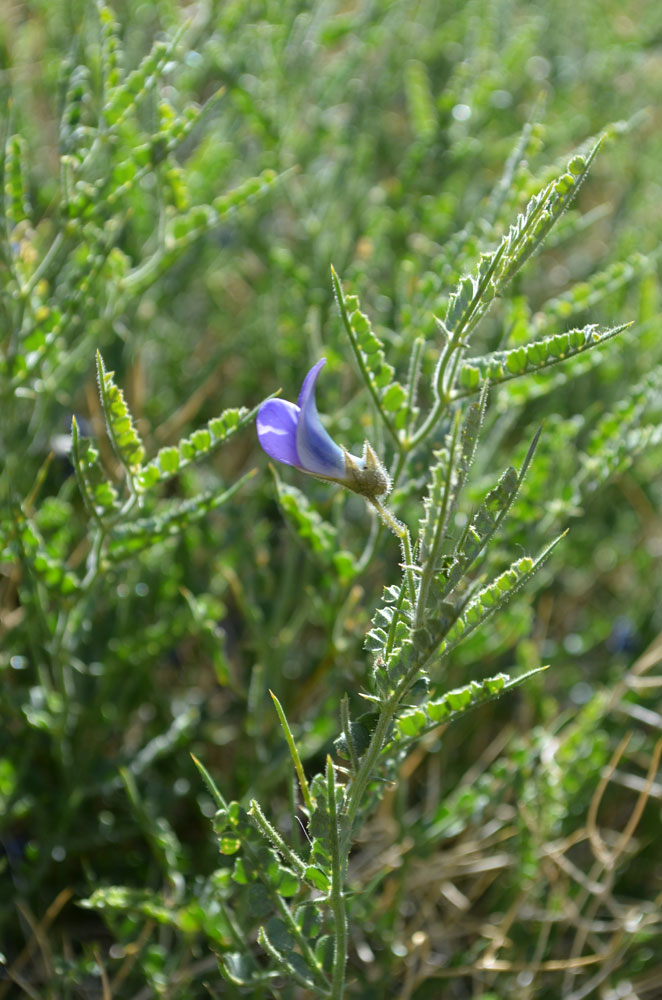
[502,366]
[485,522]
[451,705]
[474,293]
[121,430]
[542,212]
[492,597]
[459,302]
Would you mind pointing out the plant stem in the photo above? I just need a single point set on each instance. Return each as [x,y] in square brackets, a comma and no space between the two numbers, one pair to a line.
[360,782]
[375,535]
[359,359]
[337,895]
[401,531]
[269,832]
[429,559]
[347,732]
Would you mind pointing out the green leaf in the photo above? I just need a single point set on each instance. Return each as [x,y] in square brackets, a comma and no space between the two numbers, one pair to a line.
[171,460]
[317,878]
[288,883]
[290,963]
[123,98]
[74,133]
[541,214]
[228,844]
[111,47]
[259,901]
[474,293]
[210,783]
[16,204]
[121,430]
[451,705]
[621,434]
[294,753]
[279,935]
[309,919]
[412,722]
[241,969]
[324,950]
[394,397]
[502,366]
[492,597]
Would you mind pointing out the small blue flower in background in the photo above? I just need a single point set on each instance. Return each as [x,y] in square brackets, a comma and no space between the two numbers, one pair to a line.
[292,433]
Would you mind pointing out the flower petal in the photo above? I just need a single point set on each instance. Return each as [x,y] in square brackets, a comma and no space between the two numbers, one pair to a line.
[317,452]
[277,430]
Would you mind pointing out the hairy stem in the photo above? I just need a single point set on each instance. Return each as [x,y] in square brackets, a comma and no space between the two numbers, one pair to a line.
[401,531]
[337,894]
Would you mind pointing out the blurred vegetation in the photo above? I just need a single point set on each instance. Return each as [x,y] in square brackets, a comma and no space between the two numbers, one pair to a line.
[182,222]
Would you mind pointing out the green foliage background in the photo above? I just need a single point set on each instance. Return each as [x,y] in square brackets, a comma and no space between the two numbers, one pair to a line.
[195,256]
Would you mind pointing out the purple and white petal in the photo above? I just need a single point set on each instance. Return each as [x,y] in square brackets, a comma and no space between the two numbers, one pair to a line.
[318,453]
[277,430]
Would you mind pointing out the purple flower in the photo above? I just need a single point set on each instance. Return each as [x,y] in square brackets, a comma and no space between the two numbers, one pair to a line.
[293,434]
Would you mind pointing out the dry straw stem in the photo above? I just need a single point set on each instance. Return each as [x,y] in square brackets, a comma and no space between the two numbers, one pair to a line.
[599,848]
[609,858]
[606,864]
[587,938]
[38,939]
[132,955]
[106,993]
